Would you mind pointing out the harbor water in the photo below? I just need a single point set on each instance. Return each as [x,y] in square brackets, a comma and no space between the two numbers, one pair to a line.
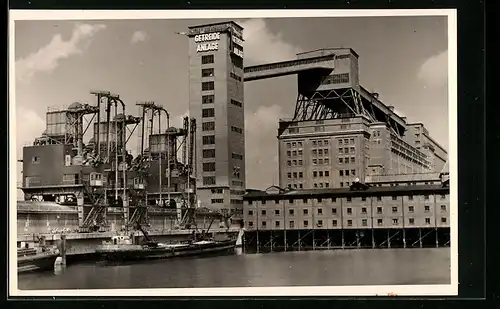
[334,267]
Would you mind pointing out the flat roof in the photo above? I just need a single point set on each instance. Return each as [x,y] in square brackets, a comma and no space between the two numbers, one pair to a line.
[339,192]
[217,24]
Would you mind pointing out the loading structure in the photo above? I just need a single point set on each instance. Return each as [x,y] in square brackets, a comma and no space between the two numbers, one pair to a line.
[340,132]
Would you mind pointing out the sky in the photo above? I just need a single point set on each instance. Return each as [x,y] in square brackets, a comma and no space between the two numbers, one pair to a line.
[404,59]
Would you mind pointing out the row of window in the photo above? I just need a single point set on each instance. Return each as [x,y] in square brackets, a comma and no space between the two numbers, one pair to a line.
[315,161]
[348,199]
[364,210]
[347,160]
[347,173]
[315,143]
[294,153]
[209,99]
[321,173]
[208,139]
[346,141]
[320,152]
[209,167]
[236,156]
[364,222]
[346,150]
[316,185]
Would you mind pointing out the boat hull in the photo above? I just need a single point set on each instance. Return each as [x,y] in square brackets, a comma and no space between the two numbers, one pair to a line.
[137,252]
[36,263]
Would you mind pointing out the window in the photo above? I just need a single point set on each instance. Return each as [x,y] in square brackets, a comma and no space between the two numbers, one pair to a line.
[320,223]
[206,86]
[394,198]
[379,210]
[379,222]
[334,222]
[237,156]
[334,211]
[349,222]
[410,197]
[291,224]
[327,185]
[443,197]
[341,173]
[263,212]
[352,149]
[236,103]
[207,59]
[353,172]
[236,129]
[250,212]
[305,211]
[277,224]
[289,175]
[290,201]
[217,201]
[349,199]
[235,76]
[208,139]
[411,221]
[427,208]
[264,223]
[379,198]
[363,198]
[289,153]
[411,209]
[208,112]
[300,152]
[277,212]
[340,142]
[320,199]
[263,202]
[209,167]
[250,223]
[208,99]
[341,184]
[363,210]
[364,222]
[394,209]
[320,173]
[306,223]
[346,172]
[301,175]
[291,212]
[315,174]
[320,211]
[341,160]
[443,220]
[208,126]
[427,220]
[327,161]
[300,162]
[304,201]
[426,197]
[443,207]
[207,72]
[327,174]
[349,211]
[276,201]
[341,150]
[208,181]
[353,160]
[395,221]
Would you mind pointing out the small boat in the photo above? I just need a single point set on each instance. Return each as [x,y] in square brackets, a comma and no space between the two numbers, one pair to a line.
[36,259]
[122,247]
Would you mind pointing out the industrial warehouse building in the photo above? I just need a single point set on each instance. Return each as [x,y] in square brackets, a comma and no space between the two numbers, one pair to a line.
[406,215]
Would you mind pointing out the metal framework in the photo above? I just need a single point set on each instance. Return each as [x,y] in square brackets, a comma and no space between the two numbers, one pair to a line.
[339,103]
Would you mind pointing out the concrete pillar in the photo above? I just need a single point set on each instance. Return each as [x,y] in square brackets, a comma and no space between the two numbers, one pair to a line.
[125,210]
[79,204]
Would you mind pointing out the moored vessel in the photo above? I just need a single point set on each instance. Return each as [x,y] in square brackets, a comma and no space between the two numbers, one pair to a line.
[36,259]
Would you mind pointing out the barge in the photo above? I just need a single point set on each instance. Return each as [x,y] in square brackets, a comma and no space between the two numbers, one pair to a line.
[36,259]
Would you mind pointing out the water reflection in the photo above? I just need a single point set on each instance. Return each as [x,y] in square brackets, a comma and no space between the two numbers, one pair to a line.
[348,267]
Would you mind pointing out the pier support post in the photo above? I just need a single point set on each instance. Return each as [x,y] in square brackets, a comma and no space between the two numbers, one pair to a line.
[420,237]
[437,239]
[343,239]
[314,242]
[79,207]
[285,240]
[357,240]
[373,238]
[299,239]
[404,238]
[63,249]
[328,239]
[388,238]
[271,241]
[258,245]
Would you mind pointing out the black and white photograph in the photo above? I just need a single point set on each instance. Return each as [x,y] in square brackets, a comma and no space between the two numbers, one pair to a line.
[204,153]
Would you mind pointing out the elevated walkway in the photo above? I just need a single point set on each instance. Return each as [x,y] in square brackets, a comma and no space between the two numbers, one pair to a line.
[283,68]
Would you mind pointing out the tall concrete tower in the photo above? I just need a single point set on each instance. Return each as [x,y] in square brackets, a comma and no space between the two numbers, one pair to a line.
[216,101]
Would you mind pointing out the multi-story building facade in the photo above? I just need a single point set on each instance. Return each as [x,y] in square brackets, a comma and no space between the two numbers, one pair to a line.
[216,102]
[341,132]
[421,206]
